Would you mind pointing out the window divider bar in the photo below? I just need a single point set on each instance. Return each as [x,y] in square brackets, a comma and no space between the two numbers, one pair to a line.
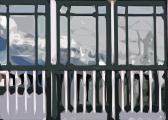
[69,35]
[115,35]
[58,33]
[8,42]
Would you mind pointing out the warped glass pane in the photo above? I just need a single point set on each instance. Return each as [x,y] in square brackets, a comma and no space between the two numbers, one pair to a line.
[121,10]
[83,9]
[140,10]
[22,40]
[159,10]
[121,41]
[83,40]
[21,8]
[3,8]
[41,40]
[41,8]
[141,40]
[160,40]
[102,9]
[3,40]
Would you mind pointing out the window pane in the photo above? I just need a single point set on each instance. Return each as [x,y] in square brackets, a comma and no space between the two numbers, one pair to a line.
[83,9]
[121,10]
[121,41]
[41,40]
[22,40]
[3,8]
[3,37]
[21,8]
[160,40]
[159,10]
[63,9]
[140,10]
[141,40]
[41,8]
[83,40]
[102,41]
[63,40]
[102,9]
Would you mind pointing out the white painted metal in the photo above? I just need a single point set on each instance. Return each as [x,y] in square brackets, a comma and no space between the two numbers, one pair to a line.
[44,92]
[150,91]
[75,91]
[103,80]
[16,88]
[7,91]
[94,91]
[141,91]
[34,91]
[66,90]
[112,29]
[113,95]
[84,92]
[122,73]
[25,90]
[132,91]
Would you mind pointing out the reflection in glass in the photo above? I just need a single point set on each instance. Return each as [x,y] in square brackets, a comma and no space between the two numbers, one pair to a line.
[22,40]
[159,10]
[83,9]
[140,9]
[63,40]
[3,42]
[41,8]
[160,40]
[41,40]
[102,9]
[3,8]
[21,8]
[102,40]
[63,9]
[83,40]
[141,40]
[121,41]
[121,10]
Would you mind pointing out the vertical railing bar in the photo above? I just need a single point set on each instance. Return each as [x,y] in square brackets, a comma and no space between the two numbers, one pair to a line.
[113,95]
[103,80]
[122,89]
[132,91]
[7,90]
[141,91]
[150,91]
[25,90]
[112,32]
[16,94]
[160,94]
[75,91]
[44,92]
[34,90]
[66,90]
[84,91]
[94,91]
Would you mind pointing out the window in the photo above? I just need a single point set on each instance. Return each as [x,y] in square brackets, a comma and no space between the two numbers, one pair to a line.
[26,25]
[82,34]
[141,34]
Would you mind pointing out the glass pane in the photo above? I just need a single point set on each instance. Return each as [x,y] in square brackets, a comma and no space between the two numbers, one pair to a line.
[102,9]
[63,40]
[3,37]
[41,8]
[3,8]
[41,40]
[63,9]
[159,10]
[83,40]
[22,40]
[83,9]
[160,40]
[121,10]
[141,40]
[140,9]
[21,8]
[121,41]
[102,41]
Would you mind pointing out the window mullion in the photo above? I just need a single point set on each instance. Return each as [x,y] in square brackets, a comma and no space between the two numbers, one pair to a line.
[127,49]
[154,27]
